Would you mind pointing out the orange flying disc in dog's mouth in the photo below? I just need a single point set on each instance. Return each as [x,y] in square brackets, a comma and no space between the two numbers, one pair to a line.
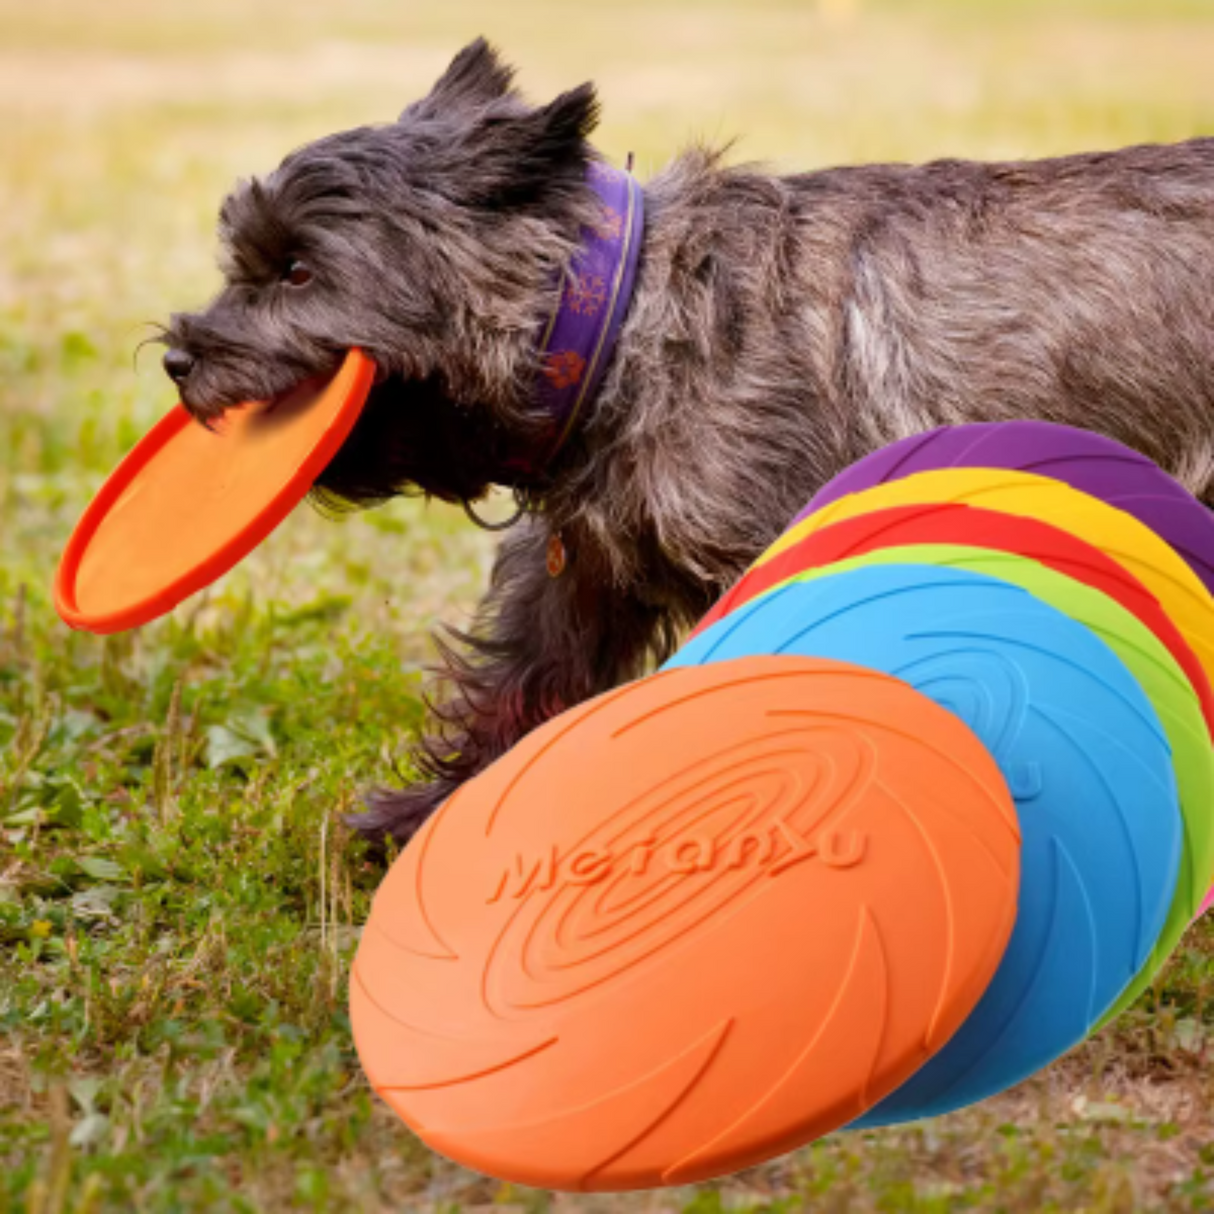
[188,503]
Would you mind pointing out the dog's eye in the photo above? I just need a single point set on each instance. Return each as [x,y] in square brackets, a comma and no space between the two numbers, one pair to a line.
[296,274]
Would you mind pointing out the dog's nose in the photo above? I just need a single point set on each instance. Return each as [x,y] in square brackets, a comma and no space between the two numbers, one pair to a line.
[178,364]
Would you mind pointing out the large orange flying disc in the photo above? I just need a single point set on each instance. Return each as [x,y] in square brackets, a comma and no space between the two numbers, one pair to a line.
[187,503]
[688,925]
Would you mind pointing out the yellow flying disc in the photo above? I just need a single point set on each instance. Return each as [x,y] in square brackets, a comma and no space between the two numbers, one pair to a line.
[1119,535]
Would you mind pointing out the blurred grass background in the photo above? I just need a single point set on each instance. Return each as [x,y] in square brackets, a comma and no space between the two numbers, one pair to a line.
[178,903]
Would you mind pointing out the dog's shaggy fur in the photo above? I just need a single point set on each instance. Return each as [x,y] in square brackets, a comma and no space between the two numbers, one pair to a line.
[781,327]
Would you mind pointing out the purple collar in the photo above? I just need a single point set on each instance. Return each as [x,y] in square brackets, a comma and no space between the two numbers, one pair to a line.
[578,341]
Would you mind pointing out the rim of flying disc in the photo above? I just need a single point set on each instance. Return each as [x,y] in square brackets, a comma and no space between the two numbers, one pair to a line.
[1084,459]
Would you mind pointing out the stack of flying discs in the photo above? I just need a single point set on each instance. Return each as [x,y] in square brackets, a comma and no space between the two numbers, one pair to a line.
[1155,529]
[694,922]
[1091,463]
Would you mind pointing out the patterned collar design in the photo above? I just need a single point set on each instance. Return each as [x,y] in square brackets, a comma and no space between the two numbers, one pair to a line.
[577,344]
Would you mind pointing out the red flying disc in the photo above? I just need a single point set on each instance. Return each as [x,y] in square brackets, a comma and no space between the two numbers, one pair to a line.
[688,925]
[187,503]
[954,523]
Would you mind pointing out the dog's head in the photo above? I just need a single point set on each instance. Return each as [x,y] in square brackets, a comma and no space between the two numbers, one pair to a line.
[433,243]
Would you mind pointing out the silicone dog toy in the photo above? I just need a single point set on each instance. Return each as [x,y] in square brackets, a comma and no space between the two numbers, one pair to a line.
[186,504]
[1119,535]
[687,926]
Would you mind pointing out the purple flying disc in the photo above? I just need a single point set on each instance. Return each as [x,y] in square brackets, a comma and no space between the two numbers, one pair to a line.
[1091,463]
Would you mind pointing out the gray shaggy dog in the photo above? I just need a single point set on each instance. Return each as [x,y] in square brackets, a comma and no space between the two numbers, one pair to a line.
[780,328]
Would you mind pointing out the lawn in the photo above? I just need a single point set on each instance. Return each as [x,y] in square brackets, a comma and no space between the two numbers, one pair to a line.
[178,900]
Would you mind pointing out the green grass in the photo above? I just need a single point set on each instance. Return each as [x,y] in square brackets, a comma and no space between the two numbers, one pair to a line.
[178,903]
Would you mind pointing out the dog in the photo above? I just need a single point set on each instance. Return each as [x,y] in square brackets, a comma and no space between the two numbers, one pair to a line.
[776,329]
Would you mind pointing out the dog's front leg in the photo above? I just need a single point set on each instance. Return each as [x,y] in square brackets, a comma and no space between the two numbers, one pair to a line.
[542,640]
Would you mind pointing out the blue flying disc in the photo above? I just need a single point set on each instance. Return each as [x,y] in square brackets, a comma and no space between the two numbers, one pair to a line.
[1085,757]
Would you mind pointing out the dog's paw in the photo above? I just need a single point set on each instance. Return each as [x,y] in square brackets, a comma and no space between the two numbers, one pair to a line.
[398,813]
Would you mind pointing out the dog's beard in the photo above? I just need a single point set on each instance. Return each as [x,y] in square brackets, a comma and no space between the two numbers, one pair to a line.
[411,438]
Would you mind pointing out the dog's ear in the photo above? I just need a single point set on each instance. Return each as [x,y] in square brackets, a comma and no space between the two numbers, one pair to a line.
[521,159]
[570,119]
[511,156]
[475,77]
[551,138]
